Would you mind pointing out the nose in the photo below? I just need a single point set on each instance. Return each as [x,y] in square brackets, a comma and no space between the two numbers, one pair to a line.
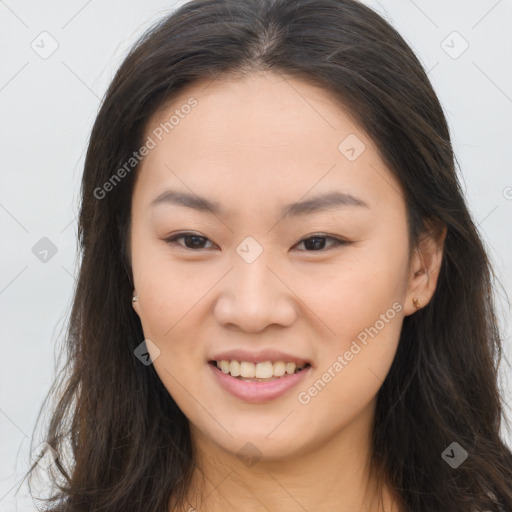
[254,296]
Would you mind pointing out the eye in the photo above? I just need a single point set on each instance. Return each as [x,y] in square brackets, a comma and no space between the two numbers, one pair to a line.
[313,243]
[317,242]
[192,240]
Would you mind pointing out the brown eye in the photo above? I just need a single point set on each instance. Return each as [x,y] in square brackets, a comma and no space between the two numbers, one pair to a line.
[317,242]
[314,243]
[191,241]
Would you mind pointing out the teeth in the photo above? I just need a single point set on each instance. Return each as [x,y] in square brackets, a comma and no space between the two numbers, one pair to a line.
[263,370]
[279,369]
[290,368]
[234,368]
[247,370]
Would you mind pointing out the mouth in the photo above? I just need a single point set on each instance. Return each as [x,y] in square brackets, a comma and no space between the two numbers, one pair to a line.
[265,371]
[259,382]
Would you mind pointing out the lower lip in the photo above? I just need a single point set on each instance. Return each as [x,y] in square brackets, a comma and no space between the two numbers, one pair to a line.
[257,392]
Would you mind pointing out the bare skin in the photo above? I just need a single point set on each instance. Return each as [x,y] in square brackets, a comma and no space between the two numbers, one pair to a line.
[253,145]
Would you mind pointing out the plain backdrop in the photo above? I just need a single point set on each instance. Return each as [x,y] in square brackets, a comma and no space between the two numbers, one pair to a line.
[58,58]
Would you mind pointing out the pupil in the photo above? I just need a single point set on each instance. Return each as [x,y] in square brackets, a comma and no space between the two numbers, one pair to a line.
[196,237]
[310,245]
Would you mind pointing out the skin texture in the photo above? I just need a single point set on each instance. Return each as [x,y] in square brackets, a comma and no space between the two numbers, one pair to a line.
[254,144]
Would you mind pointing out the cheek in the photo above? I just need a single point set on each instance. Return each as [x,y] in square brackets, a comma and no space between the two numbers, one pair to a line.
[169,290]
[175,312]
[362,306]
[169,305]
[354,291]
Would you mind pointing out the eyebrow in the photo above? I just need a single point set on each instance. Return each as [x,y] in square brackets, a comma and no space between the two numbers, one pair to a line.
[328,201]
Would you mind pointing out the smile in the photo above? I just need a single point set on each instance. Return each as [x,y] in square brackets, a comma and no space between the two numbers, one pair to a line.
[258,382]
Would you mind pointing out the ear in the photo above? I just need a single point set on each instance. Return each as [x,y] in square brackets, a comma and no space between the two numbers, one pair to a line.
[424,267]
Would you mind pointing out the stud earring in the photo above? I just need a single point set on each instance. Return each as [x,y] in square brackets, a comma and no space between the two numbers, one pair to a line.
[135,299]
[416,302]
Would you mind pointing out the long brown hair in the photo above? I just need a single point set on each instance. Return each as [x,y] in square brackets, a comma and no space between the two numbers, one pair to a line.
[122,442]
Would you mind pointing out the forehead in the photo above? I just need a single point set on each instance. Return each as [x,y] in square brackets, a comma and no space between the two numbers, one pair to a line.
[261,110]
[248,136]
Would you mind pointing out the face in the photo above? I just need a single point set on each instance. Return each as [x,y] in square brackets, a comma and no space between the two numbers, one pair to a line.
[226,272]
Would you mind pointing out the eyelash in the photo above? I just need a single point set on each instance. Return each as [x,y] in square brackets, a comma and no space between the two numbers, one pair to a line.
[337,241]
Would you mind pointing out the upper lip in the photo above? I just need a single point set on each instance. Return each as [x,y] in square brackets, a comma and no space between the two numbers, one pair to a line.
[259,357]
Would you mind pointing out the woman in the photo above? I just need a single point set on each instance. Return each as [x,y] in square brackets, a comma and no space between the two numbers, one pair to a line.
[283,302]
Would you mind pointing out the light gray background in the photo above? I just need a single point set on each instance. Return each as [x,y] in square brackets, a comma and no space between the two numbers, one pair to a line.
[48,105]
